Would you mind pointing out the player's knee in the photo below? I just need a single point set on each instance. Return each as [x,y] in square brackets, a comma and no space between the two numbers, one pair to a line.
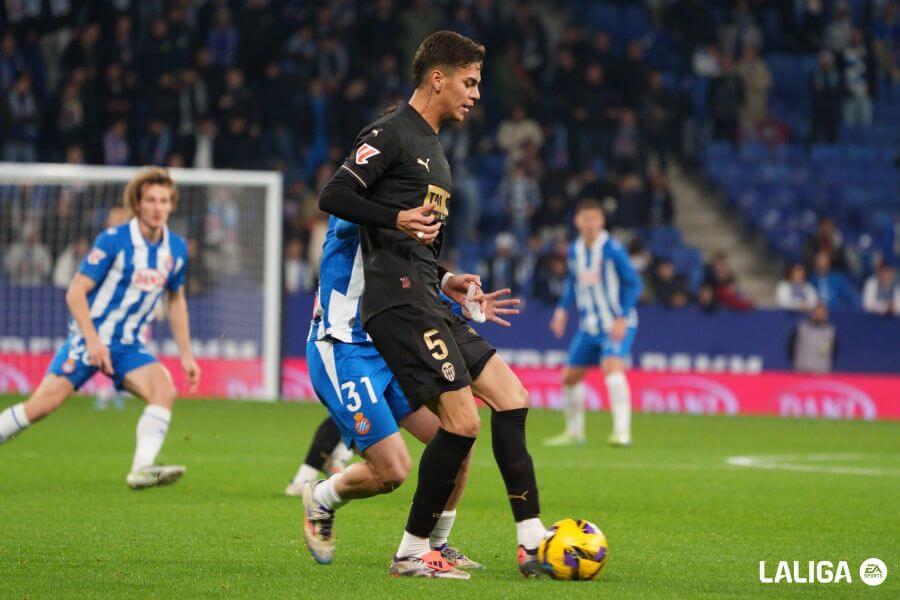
[163,395]
[394,474]
[570,377]
[468,426]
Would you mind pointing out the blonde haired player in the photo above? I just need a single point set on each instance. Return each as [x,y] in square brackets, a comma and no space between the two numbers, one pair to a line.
[605,288]
[112,299]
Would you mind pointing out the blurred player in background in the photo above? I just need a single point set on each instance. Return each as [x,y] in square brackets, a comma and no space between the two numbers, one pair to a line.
[327,454]
[362,396]
[606,288]
[112,299]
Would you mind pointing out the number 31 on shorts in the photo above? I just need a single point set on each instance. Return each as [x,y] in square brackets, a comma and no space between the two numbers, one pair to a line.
[353,396]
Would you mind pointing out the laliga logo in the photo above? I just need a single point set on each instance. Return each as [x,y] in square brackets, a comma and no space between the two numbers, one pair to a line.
[872,572]
[828,399]
[691,395]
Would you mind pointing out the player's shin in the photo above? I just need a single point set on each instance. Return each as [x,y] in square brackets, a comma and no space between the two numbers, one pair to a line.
[573,397]
[151,432]
[517,469]
[438,467]
[620,404]
[12,421]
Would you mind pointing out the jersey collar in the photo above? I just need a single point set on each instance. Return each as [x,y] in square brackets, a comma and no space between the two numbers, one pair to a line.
[138,240]
[417,118]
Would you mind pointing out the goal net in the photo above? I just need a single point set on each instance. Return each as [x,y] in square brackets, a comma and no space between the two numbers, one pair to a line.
[231,220]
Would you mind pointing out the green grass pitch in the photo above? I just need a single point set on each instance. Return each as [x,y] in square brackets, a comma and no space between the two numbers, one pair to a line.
[681,522]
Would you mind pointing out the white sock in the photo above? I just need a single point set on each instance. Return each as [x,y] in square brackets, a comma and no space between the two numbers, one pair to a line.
[305,473]
[12,421]
[151,433]
[339,458]
[442,528]
[573,398]
[326,494]
[530,532]
[412,545]
[619,402]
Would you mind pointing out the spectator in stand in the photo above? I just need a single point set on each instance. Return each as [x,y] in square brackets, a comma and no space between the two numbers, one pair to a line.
[503,268]
[657,116]
[68,262]
[756,81]
[12,62]
[886,45]
[28,262]
[794,292]
[706,299]
[21,120]
[115,144]
[520,196]
[516,132]
[551,275]
[828,239]
[669,289]
[827,90]
[660,211]
[813,344]
[839,32]
[724,283]
[628,148]
[881,292]
[857,99]
[297,275]
[833,288]
[726,96]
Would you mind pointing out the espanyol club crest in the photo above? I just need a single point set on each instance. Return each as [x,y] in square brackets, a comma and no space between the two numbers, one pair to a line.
[95,256]
[364,153]
[68,366]
[362,424]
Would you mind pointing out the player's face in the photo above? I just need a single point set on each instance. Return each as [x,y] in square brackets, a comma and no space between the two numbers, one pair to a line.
[589,222]
[461,91]
[155,205]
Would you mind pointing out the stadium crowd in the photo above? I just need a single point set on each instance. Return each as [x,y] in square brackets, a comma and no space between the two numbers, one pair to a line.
[580,99]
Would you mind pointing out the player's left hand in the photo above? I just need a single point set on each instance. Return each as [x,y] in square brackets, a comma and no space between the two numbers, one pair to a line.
[494,306]
[191,371]
[457,286]
[619,329]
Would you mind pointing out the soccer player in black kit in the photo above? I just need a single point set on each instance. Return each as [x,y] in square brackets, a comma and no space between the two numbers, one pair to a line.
[396,184]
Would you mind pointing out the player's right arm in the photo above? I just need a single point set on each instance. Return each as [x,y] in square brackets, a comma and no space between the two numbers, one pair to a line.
[561,313]
[93,269]
[373,154]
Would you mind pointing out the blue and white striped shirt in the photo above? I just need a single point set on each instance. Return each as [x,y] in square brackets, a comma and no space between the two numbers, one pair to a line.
[603,283]
[131,275]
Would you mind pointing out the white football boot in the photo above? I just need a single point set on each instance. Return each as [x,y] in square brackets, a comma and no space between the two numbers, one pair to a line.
[155,475]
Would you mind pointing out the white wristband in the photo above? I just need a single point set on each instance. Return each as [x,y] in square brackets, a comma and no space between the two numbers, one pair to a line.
[444,279]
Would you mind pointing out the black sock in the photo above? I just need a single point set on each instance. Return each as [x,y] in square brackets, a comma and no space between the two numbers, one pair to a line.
[326,438]
[438,468]
[511,454]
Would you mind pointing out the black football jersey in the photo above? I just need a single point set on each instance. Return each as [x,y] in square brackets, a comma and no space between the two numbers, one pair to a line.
[399,162]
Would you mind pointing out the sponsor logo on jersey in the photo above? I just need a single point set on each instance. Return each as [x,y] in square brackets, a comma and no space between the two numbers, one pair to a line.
[424,162]
[362,425]
[148,280]
[95,256]
[449,371]
[364,153]
[441,199]
[405,283]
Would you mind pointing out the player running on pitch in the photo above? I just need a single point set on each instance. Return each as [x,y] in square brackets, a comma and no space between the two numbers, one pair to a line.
[112,299]
[397,183]
[606,288]
[363,398]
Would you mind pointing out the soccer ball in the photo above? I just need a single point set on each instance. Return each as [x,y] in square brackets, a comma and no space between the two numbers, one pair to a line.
[573,549]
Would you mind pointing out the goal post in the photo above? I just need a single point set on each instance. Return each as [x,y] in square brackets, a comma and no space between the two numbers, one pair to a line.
[232,221]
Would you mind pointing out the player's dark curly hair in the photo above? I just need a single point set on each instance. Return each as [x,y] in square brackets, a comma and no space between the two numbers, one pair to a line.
[444,49]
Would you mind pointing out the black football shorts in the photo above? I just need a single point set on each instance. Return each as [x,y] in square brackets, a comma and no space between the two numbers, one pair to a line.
[430,350]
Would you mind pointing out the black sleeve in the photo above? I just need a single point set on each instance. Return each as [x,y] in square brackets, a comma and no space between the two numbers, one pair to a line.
[374,152]
[441,272]
[340,197]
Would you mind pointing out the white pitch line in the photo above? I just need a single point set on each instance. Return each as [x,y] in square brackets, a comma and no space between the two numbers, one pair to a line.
[788,462]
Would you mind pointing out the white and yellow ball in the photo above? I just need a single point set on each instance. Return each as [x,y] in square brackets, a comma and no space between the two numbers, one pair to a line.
[574,550]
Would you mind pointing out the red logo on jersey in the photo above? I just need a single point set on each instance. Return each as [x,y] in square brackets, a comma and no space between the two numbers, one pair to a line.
[364,153]
[405,282]
[95,256]
[148,280]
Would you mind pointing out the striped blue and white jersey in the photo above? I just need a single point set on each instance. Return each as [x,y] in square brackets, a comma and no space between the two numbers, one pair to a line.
[336,313]
[603,283]
[131,275]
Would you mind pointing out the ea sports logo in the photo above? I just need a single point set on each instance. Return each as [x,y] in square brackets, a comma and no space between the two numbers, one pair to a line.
[873,571]
[449,371]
